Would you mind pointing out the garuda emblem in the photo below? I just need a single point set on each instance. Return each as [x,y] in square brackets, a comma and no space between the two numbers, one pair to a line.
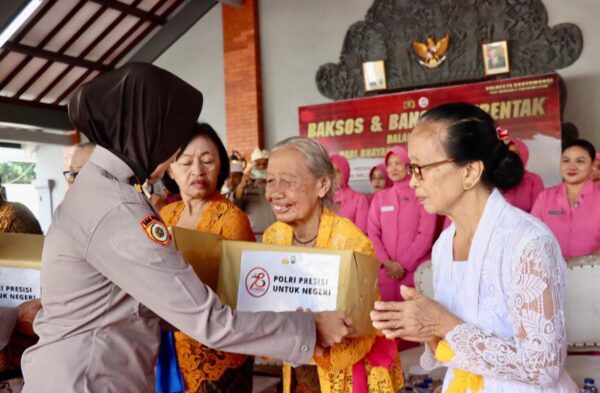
[432,53]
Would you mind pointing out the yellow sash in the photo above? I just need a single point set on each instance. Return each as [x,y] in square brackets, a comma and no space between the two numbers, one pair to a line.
[463,380]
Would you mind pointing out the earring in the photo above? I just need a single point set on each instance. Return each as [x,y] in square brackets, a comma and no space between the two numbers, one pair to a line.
[467,186]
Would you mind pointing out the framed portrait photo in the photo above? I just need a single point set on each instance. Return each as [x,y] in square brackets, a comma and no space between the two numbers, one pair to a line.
[374,75]
[495,58]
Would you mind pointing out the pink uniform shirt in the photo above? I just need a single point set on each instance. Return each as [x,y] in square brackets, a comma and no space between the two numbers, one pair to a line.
[525,193]
[401,231]
[351,204]
[576,227]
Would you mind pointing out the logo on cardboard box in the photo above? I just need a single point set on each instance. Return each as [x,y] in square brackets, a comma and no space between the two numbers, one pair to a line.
[257,282]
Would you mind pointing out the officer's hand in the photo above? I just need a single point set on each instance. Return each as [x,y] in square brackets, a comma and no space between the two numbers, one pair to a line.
[27,312]
[332,327]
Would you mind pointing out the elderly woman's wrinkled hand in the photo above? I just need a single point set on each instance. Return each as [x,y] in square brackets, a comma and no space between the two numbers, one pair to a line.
[27,313]
[418,318]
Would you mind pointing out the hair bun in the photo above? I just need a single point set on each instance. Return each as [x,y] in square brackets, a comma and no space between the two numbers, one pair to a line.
[508,169]
[472,135]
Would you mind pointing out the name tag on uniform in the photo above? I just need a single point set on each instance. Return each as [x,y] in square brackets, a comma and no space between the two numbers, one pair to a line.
[385,209]
[556,212]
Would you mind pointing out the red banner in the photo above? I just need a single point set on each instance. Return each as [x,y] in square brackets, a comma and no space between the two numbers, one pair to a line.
[366,128]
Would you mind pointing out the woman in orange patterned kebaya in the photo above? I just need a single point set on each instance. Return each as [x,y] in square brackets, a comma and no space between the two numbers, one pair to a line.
[17,218]
[300,177]
[200,171]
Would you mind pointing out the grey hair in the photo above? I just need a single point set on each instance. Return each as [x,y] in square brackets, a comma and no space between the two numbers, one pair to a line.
[317,160]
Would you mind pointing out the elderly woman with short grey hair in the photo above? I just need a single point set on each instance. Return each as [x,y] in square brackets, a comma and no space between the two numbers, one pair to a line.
[308,170]
[300,176]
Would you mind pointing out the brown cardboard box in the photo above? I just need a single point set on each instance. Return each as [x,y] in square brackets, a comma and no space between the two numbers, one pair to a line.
[202,251]
[20,263]
[21,250]
[357,276]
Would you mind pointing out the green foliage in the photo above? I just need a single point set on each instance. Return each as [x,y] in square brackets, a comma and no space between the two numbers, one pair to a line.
[17,172]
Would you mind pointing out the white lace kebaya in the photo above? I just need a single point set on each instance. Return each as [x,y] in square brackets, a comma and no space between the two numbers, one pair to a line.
[511,299]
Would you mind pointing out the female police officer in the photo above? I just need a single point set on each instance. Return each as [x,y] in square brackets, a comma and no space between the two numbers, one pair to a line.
[109,271]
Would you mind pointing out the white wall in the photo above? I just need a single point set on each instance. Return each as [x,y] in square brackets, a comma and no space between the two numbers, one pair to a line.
[582,77]
[197,58]
[49,167]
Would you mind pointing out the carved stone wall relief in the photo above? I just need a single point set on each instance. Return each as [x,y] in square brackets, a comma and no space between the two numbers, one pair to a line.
[390,26]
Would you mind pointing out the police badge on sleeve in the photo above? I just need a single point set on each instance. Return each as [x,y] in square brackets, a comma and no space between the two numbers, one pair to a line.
[156,230]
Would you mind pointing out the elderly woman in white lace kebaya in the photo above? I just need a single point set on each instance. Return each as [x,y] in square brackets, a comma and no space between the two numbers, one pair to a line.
[497,321]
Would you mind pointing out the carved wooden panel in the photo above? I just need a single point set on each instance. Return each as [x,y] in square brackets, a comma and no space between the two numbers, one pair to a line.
[390,27]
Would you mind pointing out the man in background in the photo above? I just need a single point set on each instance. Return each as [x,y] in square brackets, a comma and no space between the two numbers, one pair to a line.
[81,154]
[497,59]
[236,173]
[250,194]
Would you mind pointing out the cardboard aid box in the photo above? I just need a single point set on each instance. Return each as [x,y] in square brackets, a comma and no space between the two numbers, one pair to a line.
[259,277]
[20,263]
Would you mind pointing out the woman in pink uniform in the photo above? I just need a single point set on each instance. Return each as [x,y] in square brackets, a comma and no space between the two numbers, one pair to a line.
[525,193]
[379,180]
[351,204]
[572,209]
[400,229]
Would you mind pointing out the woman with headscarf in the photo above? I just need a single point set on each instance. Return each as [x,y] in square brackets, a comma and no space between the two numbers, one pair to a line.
[400,229]
[351,204]
[379,180]
[110,272]
[525,193]
[300,177]
[200,170]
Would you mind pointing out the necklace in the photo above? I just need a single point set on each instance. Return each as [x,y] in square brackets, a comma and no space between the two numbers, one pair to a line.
[305,242]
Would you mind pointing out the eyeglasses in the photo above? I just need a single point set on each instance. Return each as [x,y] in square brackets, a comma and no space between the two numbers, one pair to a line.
[70,175]
[417,170]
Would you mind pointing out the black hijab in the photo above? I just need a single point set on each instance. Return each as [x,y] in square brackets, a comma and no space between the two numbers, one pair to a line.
[139,112]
